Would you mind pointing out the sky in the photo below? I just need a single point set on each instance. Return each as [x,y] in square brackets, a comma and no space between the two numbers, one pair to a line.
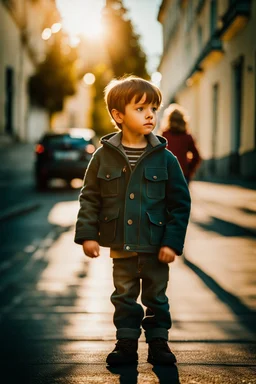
[83,16]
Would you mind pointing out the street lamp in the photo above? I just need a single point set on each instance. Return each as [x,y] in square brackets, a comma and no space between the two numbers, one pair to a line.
[56,27]
[46,34]
[89,78]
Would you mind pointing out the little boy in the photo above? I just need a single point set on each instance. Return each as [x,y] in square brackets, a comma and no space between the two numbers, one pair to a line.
[135,200]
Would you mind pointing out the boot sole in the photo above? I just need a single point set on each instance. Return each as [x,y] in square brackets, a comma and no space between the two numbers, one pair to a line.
[157,362]
[124,362]
[117,363]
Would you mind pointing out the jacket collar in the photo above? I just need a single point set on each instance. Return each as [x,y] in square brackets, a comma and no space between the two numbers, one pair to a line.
[115,139]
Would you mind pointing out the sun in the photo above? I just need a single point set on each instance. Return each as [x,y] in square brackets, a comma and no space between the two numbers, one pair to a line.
[93,29]
[81,17]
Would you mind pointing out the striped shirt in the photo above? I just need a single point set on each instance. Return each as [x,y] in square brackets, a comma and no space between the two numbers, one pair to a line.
[133,154]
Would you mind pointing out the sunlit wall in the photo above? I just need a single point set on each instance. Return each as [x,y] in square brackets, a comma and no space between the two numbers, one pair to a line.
[208,66]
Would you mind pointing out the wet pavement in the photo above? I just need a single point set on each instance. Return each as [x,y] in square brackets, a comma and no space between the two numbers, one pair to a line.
[58,329]
[56,316]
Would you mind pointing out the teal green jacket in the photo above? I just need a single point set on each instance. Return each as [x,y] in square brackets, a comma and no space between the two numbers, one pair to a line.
[140,210]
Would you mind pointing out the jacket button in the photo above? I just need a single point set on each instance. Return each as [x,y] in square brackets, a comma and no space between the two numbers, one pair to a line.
[107,176]
[127,247]
[131,196]
[105,218]
[160,222]
[130,222]
[154,177]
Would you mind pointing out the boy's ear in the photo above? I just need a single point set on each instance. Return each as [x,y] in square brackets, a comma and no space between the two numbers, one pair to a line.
[117,116]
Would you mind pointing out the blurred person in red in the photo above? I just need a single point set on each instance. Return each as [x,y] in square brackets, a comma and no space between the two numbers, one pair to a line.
[174,127]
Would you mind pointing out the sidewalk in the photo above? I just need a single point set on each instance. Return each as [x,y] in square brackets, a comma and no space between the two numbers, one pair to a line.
[16,155]
[16,179]
[221,241]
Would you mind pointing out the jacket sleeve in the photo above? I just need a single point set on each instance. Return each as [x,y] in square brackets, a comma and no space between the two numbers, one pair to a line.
[87,226]
[178,206]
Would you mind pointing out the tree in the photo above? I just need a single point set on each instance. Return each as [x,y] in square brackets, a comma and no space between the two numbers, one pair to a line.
[54,79]
[125,56]
[100,116]
[122,43]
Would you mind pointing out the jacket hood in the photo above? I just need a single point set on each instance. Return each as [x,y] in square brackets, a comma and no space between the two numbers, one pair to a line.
[115,139]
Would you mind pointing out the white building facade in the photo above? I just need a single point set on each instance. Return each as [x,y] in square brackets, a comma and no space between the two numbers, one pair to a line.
[21,49]
[209,67]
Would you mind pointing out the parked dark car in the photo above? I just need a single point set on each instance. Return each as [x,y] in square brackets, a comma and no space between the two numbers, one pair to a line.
[63,155]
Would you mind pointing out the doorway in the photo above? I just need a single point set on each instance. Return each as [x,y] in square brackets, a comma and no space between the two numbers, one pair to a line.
[237,75]
[215,111]
[9,100]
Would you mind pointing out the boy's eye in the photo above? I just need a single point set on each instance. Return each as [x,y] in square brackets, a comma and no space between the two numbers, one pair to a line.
[154,109]
[140,109]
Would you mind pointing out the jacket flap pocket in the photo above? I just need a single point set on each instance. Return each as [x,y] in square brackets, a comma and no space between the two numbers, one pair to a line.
[109,173]
[156,174]
[109,214]
[157,218]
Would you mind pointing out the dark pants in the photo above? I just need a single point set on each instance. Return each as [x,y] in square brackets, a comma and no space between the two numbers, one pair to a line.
[129,315]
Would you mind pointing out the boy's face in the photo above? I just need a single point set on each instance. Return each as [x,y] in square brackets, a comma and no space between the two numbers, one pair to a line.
[139,118]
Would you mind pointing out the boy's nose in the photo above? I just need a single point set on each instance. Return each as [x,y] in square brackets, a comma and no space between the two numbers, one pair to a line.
[149,115]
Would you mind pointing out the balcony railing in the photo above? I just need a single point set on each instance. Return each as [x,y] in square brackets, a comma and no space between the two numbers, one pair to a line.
[235,18]
[194,76]
[211,53]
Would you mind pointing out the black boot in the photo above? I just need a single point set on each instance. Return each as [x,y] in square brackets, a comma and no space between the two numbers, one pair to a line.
[125,352]
[160,353]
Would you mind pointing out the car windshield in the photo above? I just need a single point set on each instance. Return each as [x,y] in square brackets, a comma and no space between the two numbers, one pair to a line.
[67,141]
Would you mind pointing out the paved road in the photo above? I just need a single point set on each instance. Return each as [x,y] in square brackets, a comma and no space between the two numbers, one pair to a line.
[56,318]
[58,327]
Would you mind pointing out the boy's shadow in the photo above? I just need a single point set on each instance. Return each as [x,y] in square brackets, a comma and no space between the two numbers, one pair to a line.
[167,374]
[129,373]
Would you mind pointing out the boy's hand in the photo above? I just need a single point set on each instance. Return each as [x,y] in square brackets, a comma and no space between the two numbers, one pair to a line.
[91,248]
[166,255]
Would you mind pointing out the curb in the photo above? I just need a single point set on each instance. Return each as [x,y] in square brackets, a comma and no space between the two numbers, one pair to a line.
[18,210]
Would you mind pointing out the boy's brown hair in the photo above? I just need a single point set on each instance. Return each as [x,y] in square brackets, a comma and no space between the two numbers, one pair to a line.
[120,92]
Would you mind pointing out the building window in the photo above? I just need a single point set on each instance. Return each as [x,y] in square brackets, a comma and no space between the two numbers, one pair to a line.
[213,16]
[9,100]
[200,37]
[188,50]
[236,113]
[215,100]
[215,112]
[189,15]
[255,100]
[173,19]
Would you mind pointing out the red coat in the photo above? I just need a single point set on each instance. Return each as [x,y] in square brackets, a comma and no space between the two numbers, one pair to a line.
[180,144]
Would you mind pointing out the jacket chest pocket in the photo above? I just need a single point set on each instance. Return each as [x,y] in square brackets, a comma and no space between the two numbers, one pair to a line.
[155,182]
[109,181]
